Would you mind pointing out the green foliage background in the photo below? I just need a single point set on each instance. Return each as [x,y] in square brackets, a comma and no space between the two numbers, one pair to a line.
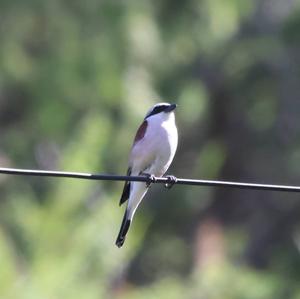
[76,78]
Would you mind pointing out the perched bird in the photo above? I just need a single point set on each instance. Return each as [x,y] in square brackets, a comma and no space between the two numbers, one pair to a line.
[151,154]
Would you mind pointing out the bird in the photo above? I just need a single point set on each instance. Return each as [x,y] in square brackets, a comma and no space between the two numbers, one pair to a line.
[152,152]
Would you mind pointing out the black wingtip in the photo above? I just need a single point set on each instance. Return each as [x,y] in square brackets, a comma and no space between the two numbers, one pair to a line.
[126,189]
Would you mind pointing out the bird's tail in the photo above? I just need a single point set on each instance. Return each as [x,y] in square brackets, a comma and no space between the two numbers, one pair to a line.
[123,230]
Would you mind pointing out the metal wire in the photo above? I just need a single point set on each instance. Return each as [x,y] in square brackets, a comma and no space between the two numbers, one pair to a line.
[162,180]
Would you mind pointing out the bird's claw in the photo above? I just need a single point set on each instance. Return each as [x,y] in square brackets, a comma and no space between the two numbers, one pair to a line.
[151,179]
[171,181]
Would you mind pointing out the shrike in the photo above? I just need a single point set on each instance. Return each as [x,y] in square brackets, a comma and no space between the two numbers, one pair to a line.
[151,154]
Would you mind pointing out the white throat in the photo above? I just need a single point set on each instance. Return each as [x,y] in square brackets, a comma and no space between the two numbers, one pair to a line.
[161,118]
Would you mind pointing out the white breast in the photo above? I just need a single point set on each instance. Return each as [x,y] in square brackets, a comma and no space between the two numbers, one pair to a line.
[154,153]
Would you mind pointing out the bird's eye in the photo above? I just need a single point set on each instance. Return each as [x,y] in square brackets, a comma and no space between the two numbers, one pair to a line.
[157,110]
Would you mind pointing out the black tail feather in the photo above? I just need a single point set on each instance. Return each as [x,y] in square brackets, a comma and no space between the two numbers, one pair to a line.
[123,231]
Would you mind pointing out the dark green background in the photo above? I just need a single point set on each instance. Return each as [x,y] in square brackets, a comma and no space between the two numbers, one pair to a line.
[76,79]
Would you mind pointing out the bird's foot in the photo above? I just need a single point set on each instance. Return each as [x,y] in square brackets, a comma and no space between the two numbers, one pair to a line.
[171,181]
[151,178]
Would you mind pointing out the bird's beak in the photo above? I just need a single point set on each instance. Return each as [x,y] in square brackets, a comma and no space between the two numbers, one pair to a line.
[171,108]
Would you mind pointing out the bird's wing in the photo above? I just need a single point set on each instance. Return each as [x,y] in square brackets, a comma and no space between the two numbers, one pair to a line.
[126,189]
[139,135]
[141,132]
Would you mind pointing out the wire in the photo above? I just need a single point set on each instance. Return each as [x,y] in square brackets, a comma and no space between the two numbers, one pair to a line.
[169,181]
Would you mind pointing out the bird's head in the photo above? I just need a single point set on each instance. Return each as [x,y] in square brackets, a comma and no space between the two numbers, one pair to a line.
[163,110]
